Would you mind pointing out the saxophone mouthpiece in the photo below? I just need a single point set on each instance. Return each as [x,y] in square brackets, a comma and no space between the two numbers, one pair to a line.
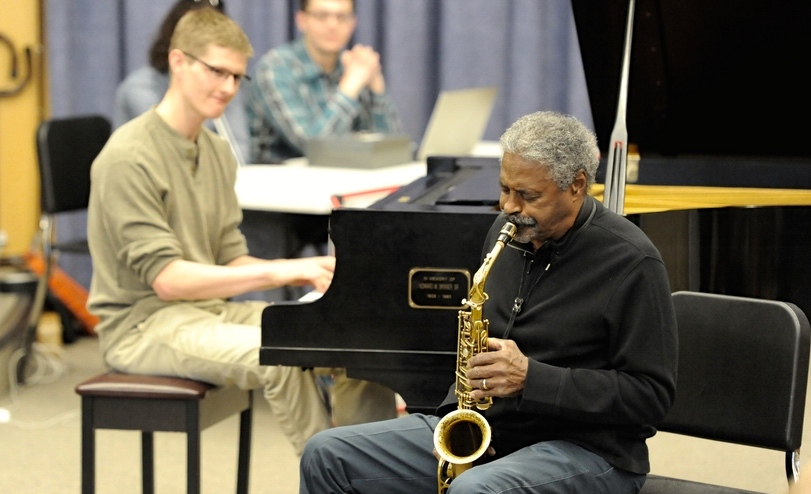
[507,232]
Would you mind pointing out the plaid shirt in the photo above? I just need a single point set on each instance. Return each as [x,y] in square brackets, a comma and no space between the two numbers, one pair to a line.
[291,100]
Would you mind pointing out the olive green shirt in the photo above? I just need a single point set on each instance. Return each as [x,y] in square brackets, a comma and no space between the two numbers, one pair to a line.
[156,197]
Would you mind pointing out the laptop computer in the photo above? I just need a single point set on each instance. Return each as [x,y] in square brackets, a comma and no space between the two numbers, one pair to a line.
[458,122]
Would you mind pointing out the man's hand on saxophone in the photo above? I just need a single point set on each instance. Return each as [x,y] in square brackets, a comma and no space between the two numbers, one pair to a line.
[499,372]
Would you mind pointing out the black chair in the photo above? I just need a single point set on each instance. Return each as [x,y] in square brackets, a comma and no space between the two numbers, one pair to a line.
[743,372]
[66,148]
[161,404]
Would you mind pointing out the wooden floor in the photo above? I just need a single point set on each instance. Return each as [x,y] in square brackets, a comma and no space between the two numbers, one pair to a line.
[40,446]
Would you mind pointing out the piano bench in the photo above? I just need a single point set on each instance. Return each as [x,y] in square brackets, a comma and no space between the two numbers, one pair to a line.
[161,404]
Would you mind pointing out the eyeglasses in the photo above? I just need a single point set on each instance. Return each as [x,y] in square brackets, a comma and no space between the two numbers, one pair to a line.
[220,74]
[322,16]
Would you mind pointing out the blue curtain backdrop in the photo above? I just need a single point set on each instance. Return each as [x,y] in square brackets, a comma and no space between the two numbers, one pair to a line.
[527,48]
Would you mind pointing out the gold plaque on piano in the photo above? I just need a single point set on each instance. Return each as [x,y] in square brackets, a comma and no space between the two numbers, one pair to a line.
[437,288]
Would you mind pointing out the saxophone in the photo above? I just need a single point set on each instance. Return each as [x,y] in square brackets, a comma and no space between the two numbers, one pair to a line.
[463,435]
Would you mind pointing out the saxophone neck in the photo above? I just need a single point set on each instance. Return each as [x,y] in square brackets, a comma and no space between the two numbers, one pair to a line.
[506,234]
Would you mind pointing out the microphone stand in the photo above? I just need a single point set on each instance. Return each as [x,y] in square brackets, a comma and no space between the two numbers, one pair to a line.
[614,194]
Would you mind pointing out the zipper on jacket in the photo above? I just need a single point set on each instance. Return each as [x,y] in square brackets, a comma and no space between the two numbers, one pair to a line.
[519,300]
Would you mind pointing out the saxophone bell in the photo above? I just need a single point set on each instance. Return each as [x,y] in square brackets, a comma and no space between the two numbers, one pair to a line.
[461,437]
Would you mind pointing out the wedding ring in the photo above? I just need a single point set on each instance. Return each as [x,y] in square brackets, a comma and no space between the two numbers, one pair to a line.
[484,384]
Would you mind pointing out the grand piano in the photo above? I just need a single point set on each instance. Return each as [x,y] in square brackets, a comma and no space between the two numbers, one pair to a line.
[719,176]
[402,269]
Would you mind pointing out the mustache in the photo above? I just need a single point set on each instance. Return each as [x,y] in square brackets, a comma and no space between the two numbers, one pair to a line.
[522,221]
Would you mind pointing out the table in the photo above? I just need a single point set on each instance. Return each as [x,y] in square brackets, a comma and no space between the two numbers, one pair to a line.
[300,188]
[297,187]
[659,198]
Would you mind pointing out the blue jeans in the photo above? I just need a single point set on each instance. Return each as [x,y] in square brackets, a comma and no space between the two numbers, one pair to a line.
[396,456]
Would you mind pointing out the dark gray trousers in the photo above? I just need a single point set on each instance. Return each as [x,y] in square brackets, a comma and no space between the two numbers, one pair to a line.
[396,456]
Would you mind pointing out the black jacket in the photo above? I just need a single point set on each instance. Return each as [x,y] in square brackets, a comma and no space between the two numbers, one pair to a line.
[598,326]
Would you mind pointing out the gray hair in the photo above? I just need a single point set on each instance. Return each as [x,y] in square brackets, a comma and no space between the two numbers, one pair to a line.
[560,142]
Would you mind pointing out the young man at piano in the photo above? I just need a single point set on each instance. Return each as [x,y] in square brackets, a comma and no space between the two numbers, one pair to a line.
[582,349]
[163,228]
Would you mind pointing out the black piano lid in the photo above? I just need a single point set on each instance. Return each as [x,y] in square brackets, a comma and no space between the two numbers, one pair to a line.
[708,78]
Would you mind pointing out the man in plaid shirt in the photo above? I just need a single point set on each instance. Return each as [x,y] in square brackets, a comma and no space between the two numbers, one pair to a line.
[309,88]
[314,87]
